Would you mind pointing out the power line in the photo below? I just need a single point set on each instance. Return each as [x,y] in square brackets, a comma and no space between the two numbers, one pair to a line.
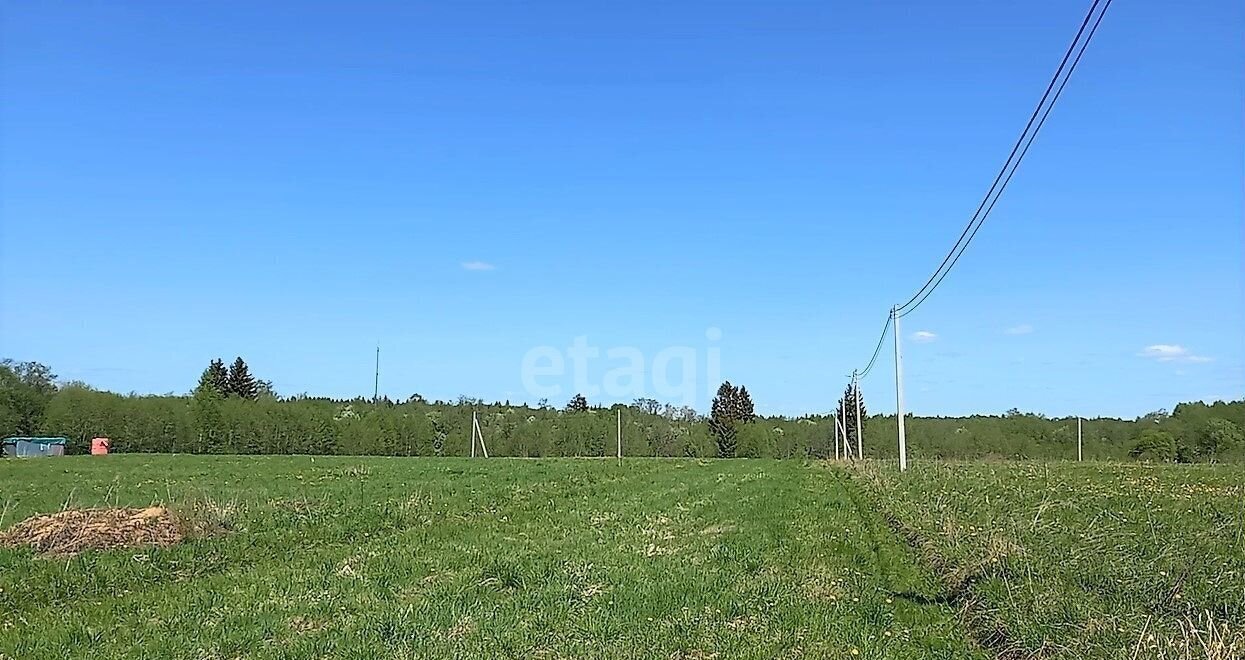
[1013,161]
[1024,151]
[1057,83]
[877,350]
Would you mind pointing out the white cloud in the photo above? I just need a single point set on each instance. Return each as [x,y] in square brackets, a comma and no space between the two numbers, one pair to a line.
[923,336]
[1022,329]
[1164,352]
[1171,353]
[478,265]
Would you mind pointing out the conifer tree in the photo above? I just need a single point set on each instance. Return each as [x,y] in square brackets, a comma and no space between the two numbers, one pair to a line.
[747,412]
[240,381]
[731,407]
[219,376]
[205,382]
[578,403]
[847,413]
[215,379]
[205,411]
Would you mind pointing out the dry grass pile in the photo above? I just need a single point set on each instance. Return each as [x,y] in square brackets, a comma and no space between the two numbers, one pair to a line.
[75,530]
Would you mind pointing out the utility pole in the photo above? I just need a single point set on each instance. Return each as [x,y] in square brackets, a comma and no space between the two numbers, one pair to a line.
[834,420]
[860,430]
[620,436]
[376,382]
[479,432]
[1078,438]
[903,442]
[473,434]
[841,426]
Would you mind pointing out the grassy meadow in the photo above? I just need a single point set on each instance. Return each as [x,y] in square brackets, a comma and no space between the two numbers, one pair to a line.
[394,557]
[563,558]
[1092,560]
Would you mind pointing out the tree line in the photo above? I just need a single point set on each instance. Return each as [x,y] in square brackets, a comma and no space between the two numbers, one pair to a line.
[241,415]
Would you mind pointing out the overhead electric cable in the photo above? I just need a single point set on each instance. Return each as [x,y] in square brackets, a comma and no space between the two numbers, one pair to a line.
[1025,150]
[1012,160]
[1057,83]
[877,350]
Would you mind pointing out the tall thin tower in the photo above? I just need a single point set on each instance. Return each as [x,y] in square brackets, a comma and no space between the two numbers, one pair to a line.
[376,382]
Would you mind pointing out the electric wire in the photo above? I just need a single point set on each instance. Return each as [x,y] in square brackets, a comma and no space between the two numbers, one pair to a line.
[1057,83]
[877,350]
[961,243]
[1024,151]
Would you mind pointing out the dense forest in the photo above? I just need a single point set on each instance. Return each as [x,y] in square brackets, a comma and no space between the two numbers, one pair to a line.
[231,412]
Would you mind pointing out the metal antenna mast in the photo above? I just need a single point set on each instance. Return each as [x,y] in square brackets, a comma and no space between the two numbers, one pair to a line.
[376,382]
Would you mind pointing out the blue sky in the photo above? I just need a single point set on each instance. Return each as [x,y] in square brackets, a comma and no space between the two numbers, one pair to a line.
[463,182]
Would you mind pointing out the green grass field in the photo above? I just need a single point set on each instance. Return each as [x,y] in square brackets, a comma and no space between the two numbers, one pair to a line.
[561,558]
[1083,561]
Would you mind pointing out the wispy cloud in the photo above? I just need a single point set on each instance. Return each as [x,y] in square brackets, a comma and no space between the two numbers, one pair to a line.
[478,265]
[923,336]
[1171,353]
[1022,329]
[1164,352]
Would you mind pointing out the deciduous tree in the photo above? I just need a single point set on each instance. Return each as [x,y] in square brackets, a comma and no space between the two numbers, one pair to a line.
[1216,438]
[1154,445]
[25,390]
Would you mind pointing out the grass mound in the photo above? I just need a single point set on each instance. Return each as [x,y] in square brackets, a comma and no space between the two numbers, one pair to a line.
[75,530]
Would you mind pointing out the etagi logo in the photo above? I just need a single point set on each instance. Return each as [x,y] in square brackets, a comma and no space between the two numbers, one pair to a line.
[675,374]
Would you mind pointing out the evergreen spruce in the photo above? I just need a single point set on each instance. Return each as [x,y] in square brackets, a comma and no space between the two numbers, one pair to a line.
[578,403]
[205,414]
[205,382]
[731,407]
[215,379]
[747,412]
[220,376]
[847,413]
[240,381]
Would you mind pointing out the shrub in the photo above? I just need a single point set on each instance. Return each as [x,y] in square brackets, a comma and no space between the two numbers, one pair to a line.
[1154,446]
